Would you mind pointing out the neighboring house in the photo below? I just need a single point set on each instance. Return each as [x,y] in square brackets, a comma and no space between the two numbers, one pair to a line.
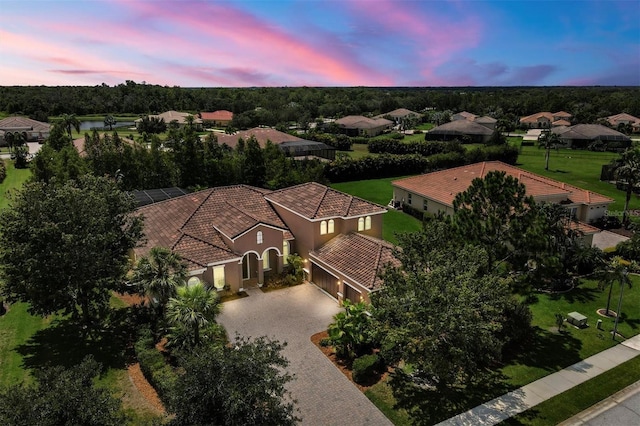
[221,118]
[237,236]
[486,121]
[584,135]
[464,115]
[545,120]
[358,125]
[400,114]
[31,130]
[179,117]
[292,145]
[463,130]
[435,192]
[622,118]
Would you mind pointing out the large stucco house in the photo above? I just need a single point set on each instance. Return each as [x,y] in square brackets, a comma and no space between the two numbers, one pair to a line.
[30,130]
[236,236]
[358,125]
[435,192]
[546,120]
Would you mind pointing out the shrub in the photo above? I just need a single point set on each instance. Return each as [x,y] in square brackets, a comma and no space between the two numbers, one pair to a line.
[154,366]
[360,140]
[3,171]
[412,211]
[365,368]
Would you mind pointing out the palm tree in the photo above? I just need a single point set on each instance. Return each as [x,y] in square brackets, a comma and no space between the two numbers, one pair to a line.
[195,307]
[159,275]
[548,140]
[70,121]
[629,172]
[615,271]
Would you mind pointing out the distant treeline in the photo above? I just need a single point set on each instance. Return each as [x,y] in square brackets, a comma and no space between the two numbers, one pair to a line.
[282,105]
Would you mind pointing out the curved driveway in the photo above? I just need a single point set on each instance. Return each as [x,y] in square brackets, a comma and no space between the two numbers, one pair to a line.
[324,395]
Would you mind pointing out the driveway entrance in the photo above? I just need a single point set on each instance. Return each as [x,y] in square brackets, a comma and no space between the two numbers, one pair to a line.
[325,396]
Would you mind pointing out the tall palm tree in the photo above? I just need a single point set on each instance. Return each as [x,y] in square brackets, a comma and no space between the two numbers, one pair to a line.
[629,172]
[70,121]
[548,140]
[194,307]
[159,275]
[615,271]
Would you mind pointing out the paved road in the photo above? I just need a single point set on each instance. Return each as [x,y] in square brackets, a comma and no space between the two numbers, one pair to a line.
[325,396]
[622,408]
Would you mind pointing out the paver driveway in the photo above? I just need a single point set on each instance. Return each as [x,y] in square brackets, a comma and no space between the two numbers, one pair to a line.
[325,396]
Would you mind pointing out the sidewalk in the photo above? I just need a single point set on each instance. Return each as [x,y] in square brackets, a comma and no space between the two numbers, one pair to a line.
[515,402]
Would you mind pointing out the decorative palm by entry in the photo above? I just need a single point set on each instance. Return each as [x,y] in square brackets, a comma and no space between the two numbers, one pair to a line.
[194,308]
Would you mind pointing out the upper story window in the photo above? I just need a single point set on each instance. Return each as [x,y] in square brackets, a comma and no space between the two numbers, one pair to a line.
[331,227]
[259,237]
[323,227]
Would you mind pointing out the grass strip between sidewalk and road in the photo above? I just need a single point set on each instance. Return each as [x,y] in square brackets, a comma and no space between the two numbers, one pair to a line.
[581,397]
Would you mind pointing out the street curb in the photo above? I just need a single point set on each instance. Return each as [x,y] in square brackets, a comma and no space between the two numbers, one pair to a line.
[602,406]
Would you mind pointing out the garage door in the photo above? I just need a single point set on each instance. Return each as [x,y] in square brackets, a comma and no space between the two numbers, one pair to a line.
[325,280]
[351,293]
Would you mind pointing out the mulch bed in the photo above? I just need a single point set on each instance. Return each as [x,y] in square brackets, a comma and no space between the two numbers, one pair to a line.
[339,363]
[146,390]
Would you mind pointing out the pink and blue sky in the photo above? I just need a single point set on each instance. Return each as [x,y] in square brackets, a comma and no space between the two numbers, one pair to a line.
[243,43]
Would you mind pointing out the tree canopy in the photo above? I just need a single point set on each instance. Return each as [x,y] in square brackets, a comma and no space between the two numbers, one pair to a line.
[65,247]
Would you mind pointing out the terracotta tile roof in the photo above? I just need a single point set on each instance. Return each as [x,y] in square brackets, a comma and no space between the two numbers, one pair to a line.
[561,123]
[462,126]
[23,123]
[262,135]
[444,185]
[221,115]
[361,122]
[585,228]
[314,201]
[485,119]
[467,115]
[202,217]
[562,114]
[533,118]
[399,113]
[614,120]
[359,257]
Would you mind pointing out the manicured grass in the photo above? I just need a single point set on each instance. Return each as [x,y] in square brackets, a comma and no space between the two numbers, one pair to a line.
[581,397]
[380,191]
[14,180]
[359,150]
[576,167]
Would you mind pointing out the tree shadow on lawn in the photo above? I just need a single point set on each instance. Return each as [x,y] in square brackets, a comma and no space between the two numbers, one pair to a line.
[547,350]
[66,343]
[578,295]
[430,406]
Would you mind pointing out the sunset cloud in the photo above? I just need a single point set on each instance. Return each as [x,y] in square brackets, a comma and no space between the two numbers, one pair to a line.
[335,43]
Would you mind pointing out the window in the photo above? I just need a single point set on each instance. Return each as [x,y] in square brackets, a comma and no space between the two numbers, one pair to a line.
[218,277]
[259,237]
[331,229]
[265,260]
[425,204]
[361,224]
[323,227]
[367,222]
[409,198]
[285,252]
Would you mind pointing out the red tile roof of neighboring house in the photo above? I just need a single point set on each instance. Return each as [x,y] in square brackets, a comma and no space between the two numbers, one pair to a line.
[169,116]
[561,123]
[358,257]
[551,116]
[614,120]
[262,135]
[194,224]
[221,115]
[314,201]
[444,185]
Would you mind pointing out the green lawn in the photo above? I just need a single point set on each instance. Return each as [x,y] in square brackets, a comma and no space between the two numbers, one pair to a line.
[548,351]
[380,191]
[15,178]
[576,167]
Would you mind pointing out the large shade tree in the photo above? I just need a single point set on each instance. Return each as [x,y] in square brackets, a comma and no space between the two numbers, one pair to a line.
[238,384]
[64,247]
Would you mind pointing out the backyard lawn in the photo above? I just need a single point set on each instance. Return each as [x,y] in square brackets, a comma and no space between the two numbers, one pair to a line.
[15,178]
[380,191]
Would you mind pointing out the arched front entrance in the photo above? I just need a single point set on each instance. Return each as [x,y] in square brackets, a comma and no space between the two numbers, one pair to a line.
[250,270]
[270,263]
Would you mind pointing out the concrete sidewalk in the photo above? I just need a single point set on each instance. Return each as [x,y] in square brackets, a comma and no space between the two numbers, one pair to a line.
[515,402]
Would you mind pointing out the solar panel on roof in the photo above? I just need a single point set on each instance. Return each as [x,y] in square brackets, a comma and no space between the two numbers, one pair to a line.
[150,196]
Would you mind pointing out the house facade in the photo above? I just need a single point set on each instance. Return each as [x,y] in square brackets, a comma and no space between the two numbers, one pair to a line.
[238,236]
[546,120]
[30,130]
[435,192]
[586,135]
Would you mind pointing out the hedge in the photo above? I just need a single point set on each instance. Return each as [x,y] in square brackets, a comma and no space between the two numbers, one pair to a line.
[392,146]
[339,141]
[3,171]
[389,165]
[154,366]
